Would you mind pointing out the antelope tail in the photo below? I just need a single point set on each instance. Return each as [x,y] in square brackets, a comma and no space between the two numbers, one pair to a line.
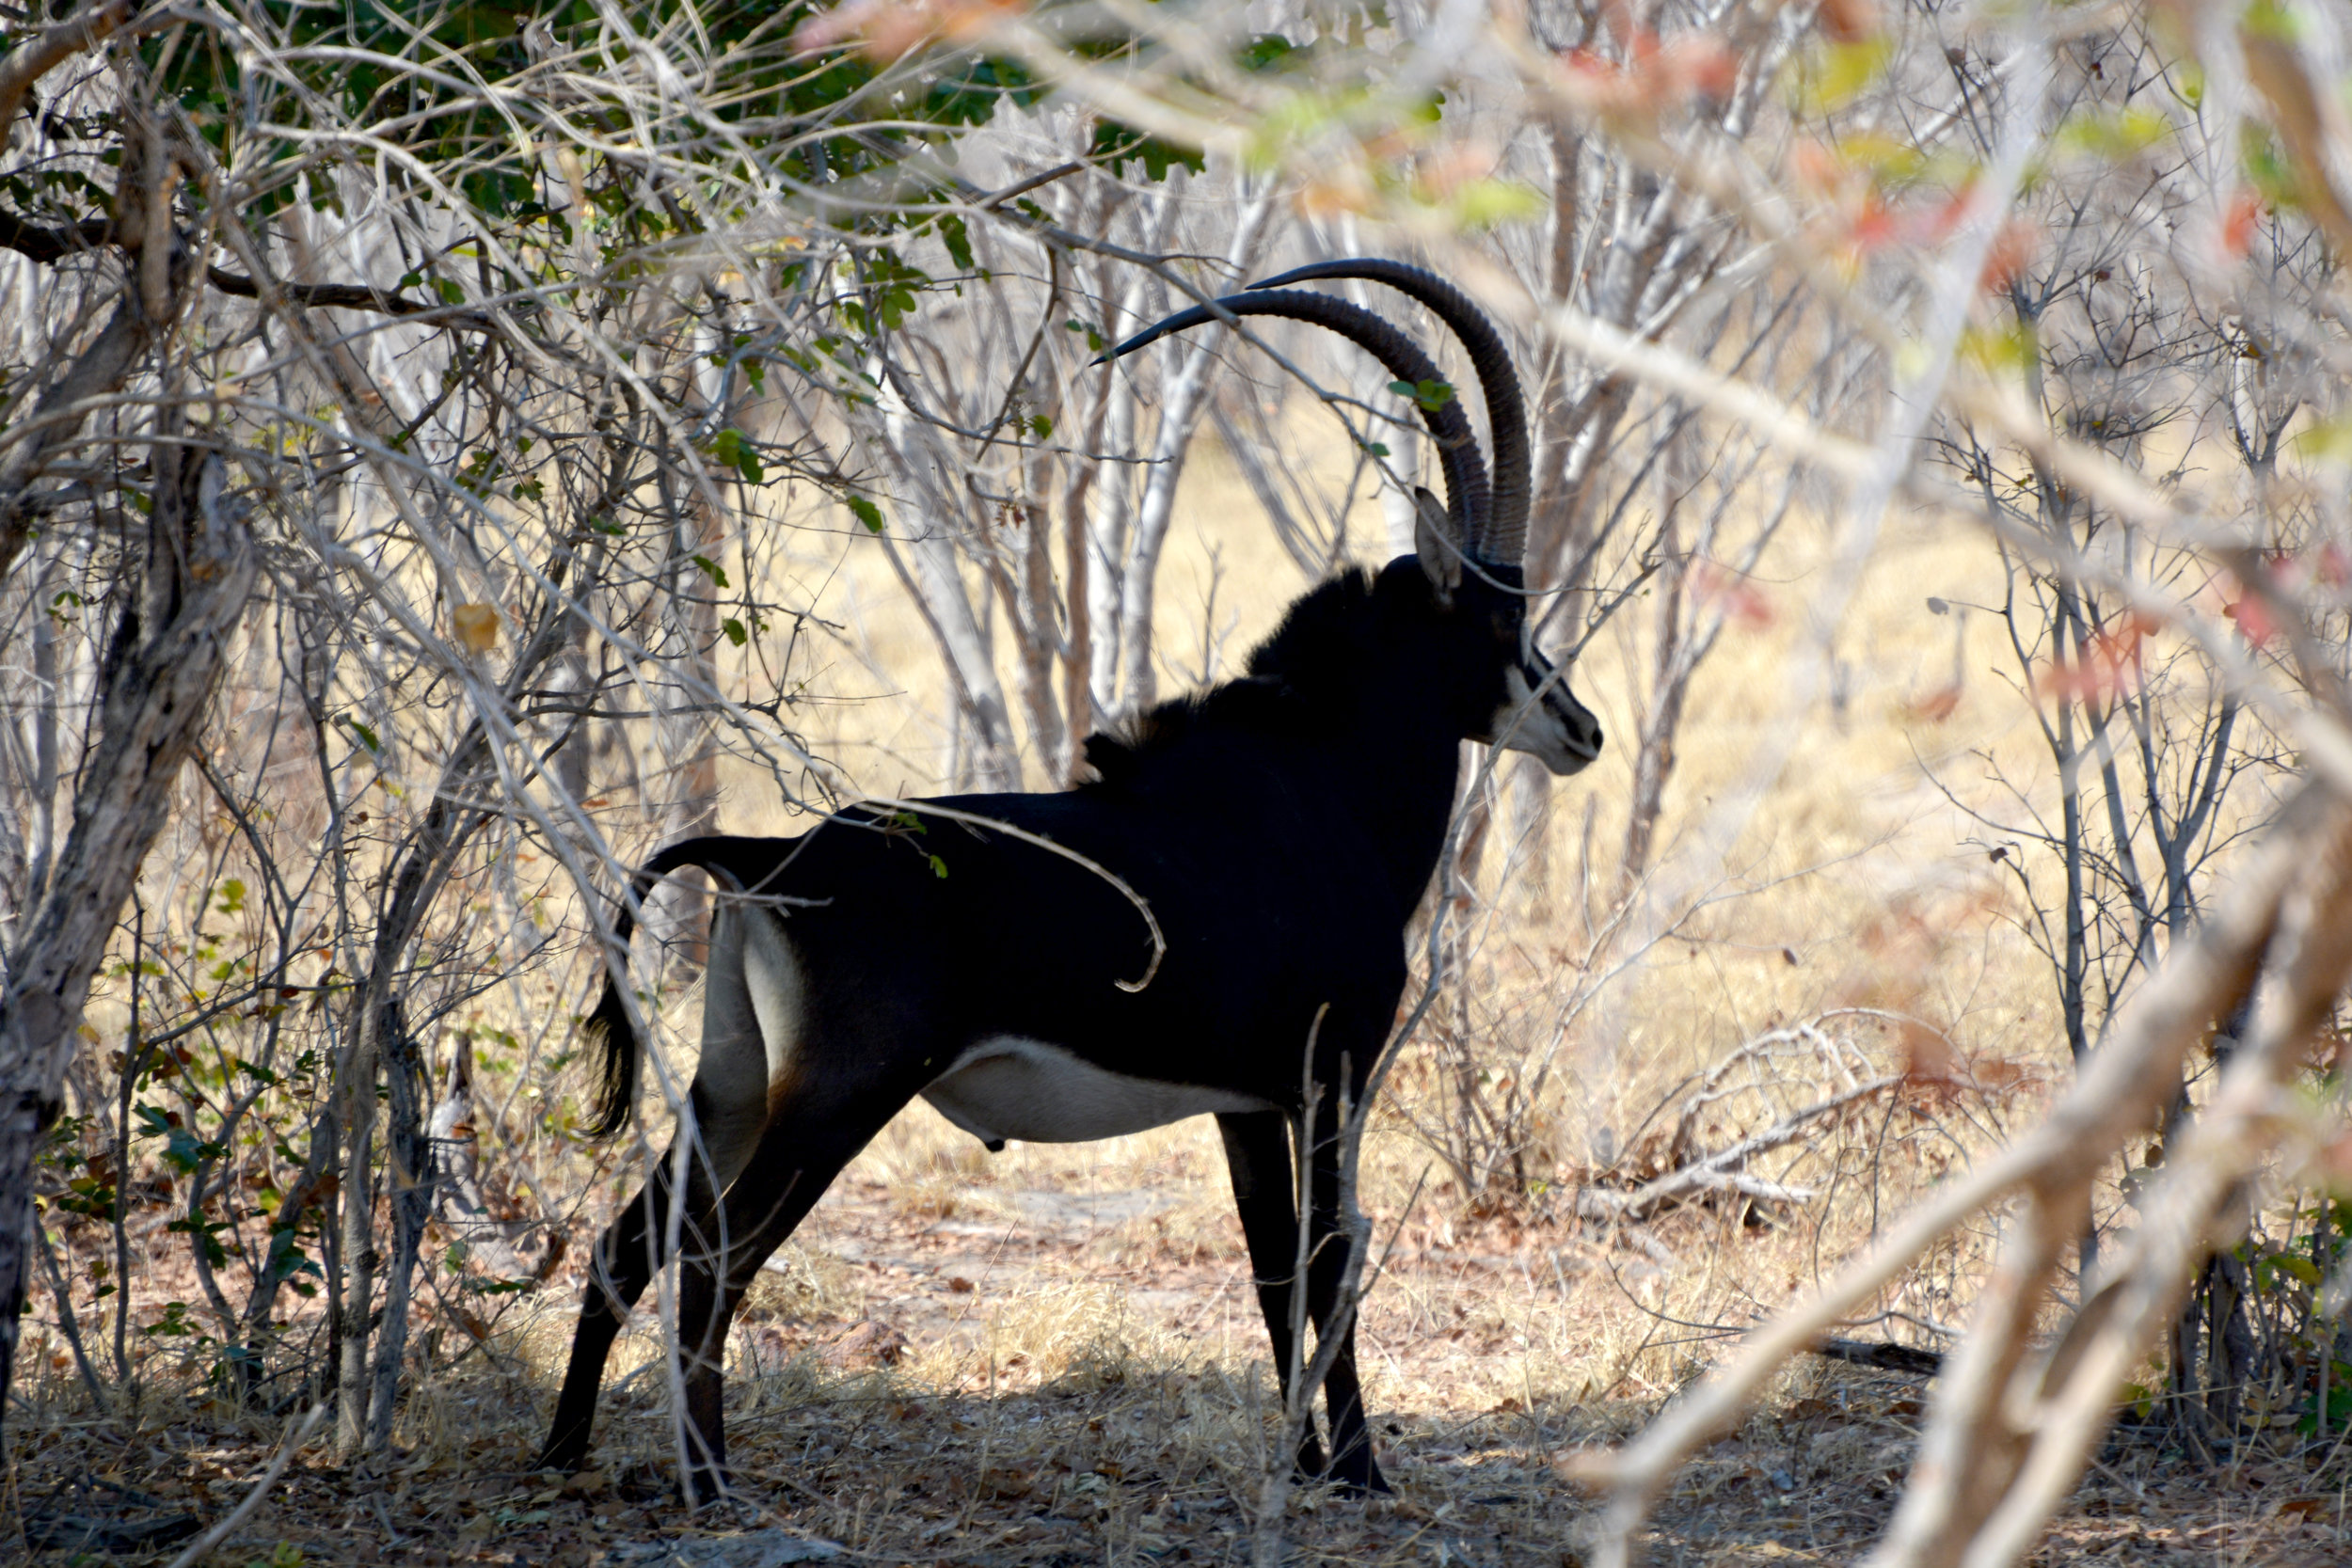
[606,1030]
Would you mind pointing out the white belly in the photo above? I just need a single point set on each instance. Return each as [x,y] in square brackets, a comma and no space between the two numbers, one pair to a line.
[1010,1087]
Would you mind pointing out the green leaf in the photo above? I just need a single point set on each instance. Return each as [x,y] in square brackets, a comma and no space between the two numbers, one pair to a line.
[2267,167]
[1115,146]
[734,448]
[1488,203]
[958,240]
[2339,1413]
[2114,133]
[734,629]
[710,569]
[2007,346]
[868,513]
[231,896]
[939,867]
[1431,395]
[206,1234]
[2326,441]
[174,1322]
[2302,1269]
[1837,74]
[1892,160]
[2268,18]
[1267,51]
[366,736]
[182,1149]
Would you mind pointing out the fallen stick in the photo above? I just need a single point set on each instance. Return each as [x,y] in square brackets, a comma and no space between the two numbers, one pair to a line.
[1719,1170]
[1885,1357]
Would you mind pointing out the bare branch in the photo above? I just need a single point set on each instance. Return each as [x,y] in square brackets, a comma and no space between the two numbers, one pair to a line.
[51,48]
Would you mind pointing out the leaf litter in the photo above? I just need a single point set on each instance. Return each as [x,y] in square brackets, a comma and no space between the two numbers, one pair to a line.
[1062,1364]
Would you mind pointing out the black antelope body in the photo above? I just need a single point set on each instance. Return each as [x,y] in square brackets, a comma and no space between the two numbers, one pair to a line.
[1281,827]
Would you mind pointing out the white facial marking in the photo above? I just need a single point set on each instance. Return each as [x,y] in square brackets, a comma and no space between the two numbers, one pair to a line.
[1522,725]
[1010,1087]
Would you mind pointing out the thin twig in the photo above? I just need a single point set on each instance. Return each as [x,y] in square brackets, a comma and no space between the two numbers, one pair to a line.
[219,1532]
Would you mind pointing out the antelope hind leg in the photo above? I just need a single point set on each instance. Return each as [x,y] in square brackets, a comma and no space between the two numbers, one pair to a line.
[729,1102]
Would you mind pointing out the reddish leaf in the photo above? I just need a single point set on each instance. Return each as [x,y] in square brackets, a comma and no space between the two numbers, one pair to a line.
[2238,225]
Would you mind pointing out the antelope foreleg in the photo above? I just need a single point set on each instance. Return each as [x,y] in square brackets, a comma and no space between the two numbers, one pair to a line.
[1258,1155]
[1352,1462]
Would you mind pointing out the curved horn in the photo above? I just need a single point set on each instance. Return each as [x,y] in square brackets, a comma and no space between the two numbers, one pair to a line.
[1501,538]
[1466,494]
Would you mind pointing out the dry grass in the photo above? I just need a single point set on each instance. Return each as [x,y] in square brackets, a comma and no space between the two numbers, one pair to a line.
[1053,1355]
[1099,1396]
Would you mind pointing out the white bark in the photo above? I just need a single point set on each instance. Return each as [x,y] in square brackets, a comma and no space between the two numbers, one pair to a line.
[1183,401]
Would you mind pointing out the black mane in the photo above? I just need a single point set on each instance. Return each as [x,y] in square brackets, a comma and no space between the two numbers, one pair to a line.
[1323,638]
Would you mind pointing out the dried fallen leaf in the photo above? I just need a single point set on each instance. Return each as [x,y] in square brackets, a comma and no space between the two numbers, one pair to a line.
[868,1345]
[477,627]
[1006,1485]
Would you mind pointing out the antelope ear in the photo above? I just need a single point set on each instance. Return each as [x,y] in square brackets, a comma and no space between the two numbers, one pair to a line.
[1433,542]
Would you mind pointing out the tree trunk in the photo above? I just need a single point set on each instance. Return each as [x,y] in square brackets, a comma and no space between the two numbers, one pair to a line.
[686,739]
[1183,401]
[161,669]
[1654,756]
[381,1044]
[101,368]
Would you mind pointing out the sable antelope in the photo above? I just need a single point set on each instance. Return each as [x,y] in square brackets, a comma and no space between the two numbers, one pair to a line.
[1282,827]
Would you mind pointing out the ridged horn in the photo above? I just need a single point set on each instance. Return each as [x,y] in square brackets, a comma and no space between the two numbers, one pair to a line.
[1502,537]
[1466,494]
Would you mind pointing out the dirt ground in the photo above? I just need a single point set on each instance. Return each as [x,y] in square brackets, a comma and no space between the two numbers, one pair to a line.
[1060,1363]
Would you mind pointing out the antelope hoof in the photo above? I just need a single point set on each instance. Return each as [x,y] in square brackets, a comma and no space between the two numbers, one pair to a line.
[1358,1480]
[567,1456]
[705,1487]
